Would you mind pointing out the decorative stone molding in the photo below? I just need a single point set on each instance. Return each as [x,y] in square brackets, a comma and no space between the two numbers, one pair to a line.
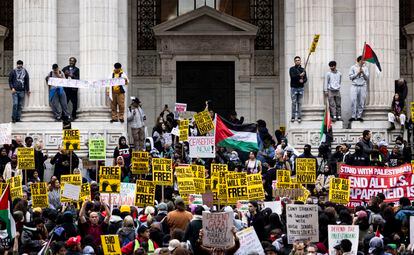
[147,65]
[264,63]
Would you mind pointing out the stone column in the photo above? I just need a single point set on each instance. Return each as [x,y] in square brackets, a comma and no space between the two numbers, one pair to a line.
[35,43]
[375,26]
[98,53]
[314,17]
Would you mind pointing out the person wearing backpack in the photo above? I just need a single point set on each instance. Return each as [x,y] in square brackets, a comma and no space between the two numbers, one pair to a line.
[57,96]
[117,94]
[127,232]
[142,241]
[19,85]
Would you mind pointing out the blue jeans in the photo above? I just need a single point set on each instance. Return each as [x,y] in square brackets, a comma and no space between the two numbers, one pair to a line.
[18,102]
[296,95]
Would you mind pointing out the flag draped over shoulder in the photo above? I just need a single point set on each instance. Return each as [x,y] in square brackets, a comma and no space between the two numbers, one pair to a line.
[241,137]
[7,224]
[326,128]
[370,56]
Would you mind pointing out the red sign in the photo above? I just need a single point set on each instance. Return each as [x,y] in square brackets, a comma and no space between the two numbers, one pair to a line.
[368,181]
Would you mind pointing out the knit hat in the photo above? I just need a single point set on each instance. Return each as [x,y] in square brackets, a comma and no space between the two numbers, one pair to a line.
[125,209]
[361,214]
[73,241]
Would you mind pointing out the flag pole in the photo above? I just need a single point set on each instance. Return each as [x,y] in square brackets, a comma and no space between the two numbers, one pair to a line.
[363,53]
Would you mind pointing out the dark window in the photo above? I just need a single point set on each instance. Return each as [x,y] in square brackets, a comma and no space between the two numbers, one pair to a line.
[6,19]
[148,13]
[406,17]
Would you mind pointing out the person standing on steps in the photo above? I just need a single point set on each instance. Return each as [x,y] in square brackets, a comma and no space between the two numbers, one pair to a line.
[117,95]
[298,79]
[332,89]
[72,72]
[359,76]
[19,85]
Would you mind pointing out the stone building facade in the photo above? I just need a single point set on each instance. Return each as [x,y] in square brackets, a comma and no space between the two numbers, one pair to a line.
[235,53]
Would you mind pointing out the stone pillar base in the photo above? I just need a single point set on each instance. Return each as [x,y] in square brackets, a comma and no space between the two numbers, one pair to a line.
[36,114]
[94,114]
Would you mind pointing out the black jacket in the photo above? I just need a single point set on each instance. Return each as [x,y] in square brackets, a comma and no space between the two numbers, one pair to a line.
[15,84]
[294,73]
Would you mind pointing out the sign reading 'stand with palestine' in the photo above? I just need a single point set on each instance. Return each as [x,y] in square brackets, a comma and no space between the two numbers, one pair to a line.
[305,170]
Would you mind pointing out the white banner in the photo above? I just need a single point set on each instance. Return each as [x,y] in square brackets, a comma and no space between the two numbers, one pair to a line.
[202,146]
[72,83]
[302,223]
[5,133]
[337,233]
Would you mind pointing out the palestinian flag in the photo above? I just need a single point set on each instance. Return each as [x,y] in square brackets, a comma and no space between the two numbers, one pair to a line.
[326,128]
[240,137]
[370,56]
[7,224]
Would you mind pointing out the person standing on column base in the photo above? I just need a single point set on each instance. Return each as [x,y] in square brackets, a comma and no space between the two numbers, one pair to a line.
[332,89]
[359,76]
[117,95]
[297,81]
[136,118]
[57,96]
[19,85]
[72,72]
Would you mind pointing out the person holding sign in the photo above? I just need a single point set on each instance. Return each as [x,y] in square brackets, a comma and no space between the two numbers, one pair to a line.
[62,162]
[11,169]
[255,219]
[117,94]
[92,226]
[298,79]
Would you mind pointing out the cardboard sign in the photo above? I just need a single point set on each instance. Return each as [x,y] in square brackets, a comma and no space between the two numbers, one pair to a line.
[367,181]
[217,229]
[236,187]
[109,179]
[304,197]
[71,139]
[249,242]
[25,158]
[40,196]
[71,191]
[74,179]
[339,191]
[305,170]
[127,194]
[97,149]
[179,107]
[336,233]
[162,171]
[283,177]
[183,128]
[202,146]
[314,43]
[140,162]
[293,190]
[16,187]
[5,133]
[111,198]
[85,192]
[145,193]
[195,199]
[175,131]
[110,244]
[276,206]
[204,122]
[255,187]
[302,223]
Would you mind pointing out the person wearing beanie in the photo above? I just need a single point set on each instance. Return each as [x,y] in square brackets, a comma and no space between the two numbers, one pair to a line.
[179,218]
[193,228]
[73,246]
[142,241]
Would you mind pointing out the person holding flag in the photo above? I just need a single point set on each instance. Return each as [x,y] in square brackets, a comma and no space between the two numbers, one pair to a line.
[359,76]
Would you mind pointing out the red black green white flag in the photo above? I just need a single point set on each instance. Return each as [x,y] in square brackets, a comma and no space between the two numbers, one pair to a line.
[7,224]
[240,137]
[326,128]
[370,56]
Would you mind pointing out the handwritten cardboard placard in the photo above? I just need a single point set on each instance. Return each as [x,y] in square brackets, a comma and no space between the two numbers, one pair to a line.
[302,223]
[217,229]
[336,233]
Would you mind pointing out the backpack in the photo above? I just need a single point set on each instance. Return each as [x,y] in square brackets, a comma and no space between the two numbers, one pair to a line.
[126,238]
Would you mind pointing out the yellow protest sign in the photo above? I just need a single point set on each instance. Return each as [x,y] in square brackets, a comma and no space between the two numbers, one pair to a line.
[222,192]
[184,172]
[283,179]
[145,193]
[304,197]
[204,122]
[85,192]
[110,244]
[412,110]
[75,179]
[71,139]
[215,175]
[25,158]
[255,187]
[314,43]
[199,174]
[339,191]
[110,179]
[97,149]
[2,187]
[162,171]
[305,170]
[140,162]
[40,196]
[198,171]
[208,185]
[236,187]
[185,185]
[183,128]
[16,187]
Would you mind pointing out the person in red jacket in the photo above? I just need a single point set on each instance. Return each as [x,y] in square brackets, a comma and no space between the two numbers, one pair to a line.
[142,241]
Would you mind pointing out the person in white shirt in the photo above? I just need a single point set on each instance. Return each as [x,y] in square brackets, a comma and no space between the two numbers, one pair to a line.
[359,76]
[136,119]
[332,89]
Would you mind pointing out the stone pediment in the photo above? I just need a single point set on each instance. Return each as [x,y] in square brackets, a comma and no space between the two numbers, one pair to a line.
[205,21]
